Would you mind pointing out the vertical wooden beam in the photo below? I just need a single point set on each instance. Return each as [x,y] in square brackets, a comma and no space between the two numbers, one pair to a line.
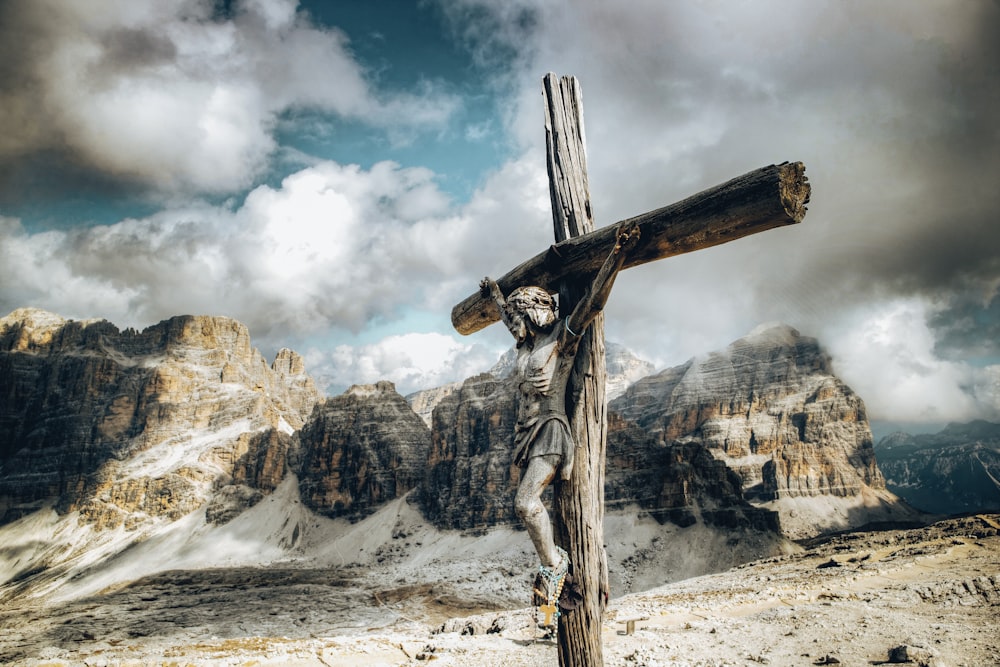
[566,157]
[579,511]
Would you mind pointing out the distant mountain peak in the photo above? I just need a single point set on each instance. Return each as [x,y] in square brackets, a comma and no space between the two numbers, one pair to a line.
[36,316]
[978,428]
[368,390]
[770,407]
[776,331]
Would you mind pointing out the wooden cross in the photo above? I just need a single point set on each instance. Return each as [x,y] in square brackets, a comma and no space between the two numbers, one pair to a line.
[763,199]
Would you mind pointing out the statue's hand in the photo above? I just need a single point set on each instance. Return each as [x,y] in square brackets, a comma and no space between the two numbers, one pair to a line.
[489,288]
[628,237]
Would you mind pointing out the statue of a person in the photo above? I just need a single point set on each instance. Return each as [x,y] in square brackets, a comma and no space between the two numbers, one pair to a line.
[543,441]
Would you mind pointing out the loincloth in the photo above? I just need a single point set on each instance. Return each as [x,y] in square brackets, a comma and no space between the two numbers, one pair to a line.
[543,436]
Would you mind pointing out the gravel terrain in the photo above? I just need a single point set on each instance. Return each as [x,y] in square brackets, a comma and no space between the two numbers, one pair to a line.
[930,595]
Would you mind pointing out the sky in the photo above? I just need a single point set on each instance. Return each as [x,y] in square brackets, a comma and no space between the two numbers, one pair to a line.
[337,175]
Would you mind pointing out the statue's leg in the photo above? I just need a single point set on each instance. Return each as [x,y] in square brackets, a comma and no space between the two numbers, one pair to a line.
[539,472]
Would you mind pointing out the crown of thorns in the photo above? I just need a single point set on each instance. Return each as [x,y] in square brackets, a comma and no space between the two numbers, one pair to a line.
[531,297]
[535,302]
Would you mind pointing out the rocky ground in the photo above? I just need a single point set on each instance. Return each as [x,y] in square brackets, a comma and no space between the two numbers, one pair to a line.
[846,600]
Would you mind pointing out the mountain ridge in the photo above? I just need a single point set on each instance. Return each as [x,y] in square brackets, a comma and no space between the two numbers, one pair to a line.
[954,471]
[203,431]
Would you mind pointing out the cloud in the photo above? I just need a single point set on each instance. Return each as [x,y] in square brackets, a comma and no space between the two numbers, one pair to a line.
[175,96]
[911,382]
[891,106]
[331,251]
[969,324]
[34,272]
[411,361]
[334,246]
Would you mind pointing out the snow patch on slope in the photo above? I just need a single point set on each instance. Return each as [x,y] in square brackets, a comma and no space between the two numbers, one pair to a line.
[183,448]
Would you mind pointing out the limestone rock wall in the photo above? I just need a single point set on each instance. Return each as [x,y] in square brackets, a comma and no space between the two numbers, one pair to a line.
[126,426]
[770,407]
[361,449]
[129,427]
[683,484]
[470,482]
[424,401]
[259,462]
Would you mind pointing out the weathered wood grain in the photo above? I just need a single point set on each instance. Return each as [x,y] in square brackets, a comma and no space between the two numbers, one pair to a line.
[579,502]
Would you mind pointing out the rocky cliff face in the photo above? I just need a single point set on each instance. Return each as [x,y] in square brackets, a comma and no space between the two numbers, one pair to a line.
[469,482]
[128,426]
[772,410]
[424,401]
[360,450]
[951,472]
[683,484]
[765,421]
[112,435]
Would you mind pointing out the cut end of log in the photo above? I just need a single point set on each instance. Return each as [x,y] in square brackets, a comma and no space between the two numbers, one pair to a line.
[467,319]
[794,189]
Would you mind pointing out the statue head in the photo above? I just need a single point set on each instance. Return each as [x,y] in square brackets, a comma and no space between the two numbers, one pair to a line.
[534,303]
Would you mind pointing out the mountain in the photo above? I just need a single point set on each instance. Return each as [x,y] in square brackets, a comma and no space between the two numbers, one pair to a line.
[129,428]
[770,407]
[623,369]
[470,482]
[360,450]
[166,443]
[954,471]
[760,435]
[424,401]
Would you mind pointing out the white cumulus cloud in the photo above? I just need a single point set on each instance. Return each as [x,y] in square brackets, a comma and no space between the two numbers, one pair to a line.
[887,356]
[411,361]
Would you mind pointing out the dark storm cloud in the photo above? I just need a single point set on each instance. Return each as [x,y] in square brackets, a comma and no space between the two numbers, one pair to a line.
[891,105]
[171,96]
[939,144]
[24,41]
[134,48]
[968,327]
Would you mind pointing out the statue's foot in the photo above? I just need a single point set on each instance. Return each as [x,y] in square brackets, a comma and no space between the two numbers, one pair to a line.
[547,589]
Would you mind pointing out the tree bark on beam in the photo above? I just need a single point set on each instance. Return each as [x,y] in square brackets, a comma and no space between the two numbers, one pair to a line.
[769,197]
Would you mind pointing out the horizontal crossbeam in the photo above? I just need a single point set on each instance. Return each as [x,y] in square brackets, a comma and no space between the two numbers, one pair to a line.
[769,197]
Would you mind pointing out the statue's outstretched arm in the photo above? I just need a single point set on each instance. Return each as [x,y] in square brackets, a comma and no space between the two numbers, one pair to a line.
[488,287]
[600,288]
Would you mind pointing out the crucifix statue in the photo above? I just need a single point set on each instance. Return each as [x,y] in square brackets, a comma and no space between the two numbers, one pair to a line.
[562,416]
[547,345]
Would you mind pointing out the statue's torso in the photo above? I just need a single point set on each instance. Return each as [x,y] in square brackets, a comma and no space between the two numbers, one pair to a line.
[542,374]
[542,428]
